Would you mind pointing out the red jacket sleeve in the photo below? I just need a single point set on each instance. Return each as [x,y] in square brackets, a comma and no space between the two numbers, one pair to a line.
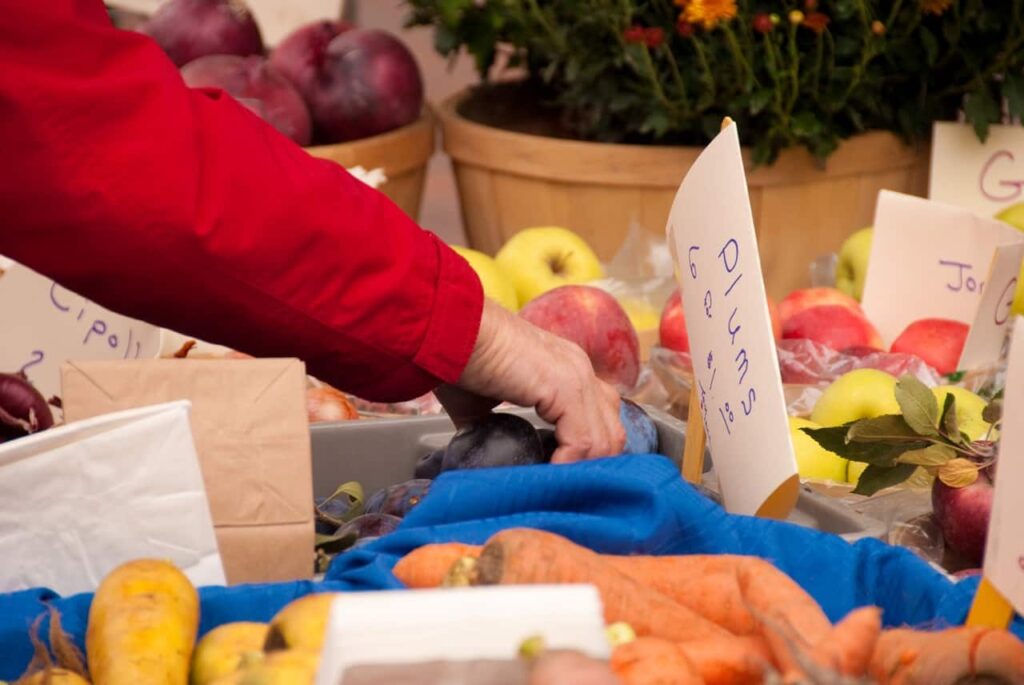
[181,208]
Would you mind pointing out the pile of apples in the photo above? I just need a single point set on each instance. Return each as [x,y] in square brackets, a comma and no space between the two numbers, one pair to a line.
[543,274]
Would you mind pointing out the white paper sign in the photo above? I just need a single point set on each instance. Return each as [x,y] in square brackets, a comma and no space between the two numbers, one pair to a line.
[1004,553]
[46,325]
[928,260]
[988,335]
[456,624]
[80,499]
[735,364]
[982,177]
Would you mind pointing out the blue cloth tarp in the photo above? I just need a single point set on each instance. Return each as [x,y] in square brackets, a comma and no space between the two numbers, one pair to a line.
[625,505]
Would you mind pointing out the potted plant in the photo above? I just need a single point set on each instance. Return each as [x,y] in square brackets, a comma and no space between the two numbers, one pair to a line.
[834,100]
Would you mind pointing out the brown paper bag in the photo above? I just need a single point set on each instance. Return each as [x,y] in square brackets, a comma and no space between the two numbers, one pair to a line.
[252,436]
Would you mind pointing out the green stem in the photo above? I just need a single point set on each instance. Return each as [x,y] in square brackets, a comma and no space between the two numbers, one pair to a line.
[746,73]
[677,76]
[543,21]
[794,68]
[709,78]
[652,75]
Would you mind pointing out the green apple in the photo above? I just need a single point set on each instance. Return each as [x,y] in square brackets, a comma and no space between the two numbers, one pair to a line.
[540,259]
[813,461]
[852,266]
[968,409]
[497,285]
[858,394]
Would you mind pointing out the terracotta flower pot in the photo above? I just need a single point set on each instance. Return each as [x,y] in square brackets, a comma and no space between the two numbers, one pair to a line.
[513,174]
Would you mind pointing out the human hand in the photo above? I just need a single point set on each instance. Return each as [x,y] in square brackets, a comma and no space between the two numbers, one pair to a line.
[515,361]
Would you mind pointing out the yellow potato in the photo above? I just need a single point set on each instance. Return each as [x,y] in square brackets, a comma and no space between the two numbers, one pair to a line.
[289,667]
[142,626]
[223,650]
[301,624]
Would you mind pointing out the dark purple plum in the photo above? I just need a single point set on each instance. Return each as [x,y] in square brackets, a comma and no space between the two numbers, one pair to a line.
[548,442]
[494,440]
[369,526]
[641,433]
[330,512]
[429,465]
[398,500]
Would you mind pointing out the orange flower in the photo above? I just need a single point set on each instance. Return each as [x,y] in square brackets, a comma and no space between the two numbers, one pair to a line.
[708,13]
[935,6]
[816,21]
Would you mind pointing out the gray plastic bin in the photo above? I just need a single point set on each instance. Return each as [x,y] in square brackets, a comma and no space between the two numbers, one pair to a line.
[382,452]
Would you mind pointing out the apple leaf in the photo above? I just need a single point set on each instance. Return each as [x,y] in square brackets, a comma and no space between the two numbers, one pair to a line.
[917,402]
[882,454]
[877,478]
[950,425]
[958,473]
[890,427]
[934,455]
[993,412]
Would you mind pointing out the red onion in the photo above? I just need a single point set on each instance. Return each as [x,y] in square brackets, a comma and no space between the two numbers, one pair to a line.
[253,82]
[189,29]
[22,409]
[369,83]
[300,56]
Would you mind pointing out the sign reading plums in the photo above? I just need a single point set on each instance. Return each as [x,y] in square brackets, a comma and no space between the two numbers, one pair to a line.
[935,261]
[46,325]
[1004,552]
[735,367]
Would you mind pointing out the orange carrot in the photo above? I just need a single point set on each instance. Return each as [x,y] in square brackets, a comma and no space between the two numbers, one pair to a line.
[653,661]
[523,556]
[958,655]
[739,661]
[849,647]
[427,566]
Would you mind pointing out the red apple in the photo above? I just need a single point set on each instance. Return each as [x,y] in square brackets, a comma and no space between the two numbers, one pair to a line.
[595,321]
[833,325]
[805,298]
[963,515]
[939,342]
[773,313]
[672,329]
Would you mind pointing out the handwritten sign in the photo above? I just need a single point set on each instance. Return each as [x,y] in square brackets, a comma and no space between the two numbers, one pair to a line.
[986,342]
[982,177]
[1004,553]
[928,260]
[736,370]
[444,625]
[46,325]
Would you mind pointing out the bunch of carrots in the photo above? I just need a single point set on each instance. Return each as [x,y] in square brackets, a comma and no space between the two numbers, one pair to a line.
[723,620]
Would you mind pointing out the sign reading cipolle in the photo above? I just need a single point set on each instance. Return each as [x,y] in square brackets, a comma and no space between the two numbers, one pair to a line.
[46,324]
[735,364]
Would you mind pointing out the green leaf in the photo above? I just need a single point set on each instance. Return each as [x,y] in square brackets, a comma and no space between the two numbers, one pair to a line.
[950,426]
[1013,91]
[930,44]
[981,110]
[760,99]
[993,411]
[891,427]
[876,478]
[332,544]
[879,453]
[917,402]
[805,124]
[933,455]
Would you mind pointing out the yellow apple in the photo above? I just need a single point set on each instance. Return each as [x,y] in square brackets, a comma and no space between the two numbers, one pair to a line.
[852,266]
[813,461]
[642,314]
[855,470]
[497,285]
[540,259]
[859,394]
[1014,215]
[968,409]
